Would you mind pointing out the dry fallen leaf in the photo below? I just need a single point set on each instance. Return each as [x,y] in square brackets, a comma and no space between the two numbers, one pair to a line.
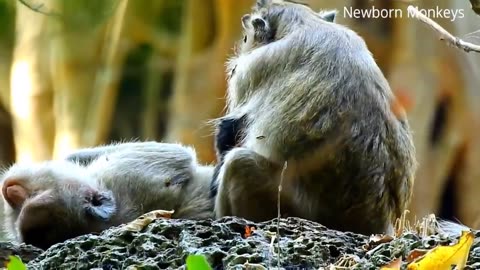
[147,218]
[393,265]
[376,240]
[415,254]
[254,266]
[444,257]
[248,231]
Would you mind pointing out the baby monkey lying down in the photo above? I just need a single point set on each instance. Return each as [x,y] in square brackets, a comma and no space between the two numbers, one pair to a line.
[97,188]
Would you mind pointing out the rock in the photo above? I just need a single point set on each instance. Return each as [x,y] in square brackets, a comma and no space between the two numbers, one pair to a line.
[165,244]
[26,252]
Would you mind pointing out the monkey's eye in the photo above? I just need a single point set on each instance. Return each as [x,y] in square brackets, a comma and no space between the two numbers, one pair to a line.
[230,74]
[245,39]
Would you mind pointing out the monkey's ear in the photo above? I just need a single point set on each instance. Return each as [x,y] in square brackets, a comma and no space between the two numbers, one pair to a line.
[328,16]
[100,205]
[263,3]
[245,21]
[14,193]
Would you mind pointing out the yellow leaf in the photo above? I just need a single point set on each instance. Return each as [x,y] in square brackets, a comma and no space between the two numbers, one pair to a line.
[394,265]
[444,257]
[376,240]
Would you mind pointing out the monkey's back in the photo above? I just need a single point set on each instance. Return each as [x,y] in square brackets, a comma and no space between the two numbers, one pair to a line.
[334,126]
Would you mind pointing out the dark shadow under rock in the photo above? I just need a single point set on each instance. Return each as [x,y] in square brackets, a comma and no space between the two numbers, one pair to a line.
[165,244]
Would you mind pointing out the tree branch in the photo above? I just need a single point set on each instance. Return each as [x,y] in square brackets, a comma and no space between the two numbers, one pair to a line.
[444,34]
[475,6]
[38,8]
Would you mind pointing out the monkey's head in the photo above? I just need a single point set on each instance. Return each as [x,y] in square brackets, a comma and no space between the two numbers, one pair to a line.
[270,20]
[50,202]
[268,23]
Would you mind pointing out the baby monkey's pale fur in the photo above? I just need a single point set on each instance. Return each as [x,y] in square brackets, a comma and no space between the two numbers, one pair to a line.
[96,188]
[312,96]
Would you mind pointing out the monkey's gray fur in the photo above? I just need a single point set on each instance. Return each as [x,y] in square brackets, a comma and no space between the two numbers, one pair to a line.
[315,98]
[49,202]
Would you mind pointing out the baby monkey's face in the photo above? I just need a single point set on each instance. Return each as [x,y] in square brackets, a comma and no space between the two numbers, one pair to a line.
[270,21]
[257,32]
[50,202]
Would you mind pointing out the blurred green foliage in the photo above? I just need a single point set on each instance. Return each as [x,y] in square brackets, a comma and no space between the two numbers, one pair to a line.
[197,262]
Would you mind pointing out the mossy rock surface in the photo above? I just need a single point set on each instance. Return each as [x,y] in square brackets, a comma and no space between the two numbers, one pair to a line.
[165,244]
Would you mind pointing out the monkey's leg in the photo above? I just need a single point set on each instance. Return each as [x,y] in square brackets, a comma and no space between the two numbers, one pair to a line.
[248,187]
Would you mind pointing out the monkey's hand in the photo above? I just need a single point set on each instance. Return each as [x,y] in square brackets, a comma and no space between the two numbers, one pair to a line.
[248,186]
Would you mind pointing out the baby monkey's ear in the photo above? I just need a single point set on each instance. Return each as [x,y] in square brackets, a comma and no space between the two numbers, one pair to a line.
[14,192]
[100,204]
[328,16]
[256,22]
[246,21]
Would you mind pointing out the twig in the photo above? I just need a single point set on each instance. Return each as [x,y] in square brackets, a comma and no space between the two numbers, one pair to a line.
[444,34]
[38,8]
[475,6]
[279,212]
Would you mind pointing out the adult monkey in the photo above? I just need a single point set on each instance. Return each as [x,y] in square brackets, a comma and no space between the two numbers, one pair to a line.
[312,96]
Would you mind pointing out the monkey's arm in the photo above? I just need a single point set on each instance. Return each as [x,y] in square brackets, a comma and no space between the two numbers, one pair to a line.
[248,187]
[254,69]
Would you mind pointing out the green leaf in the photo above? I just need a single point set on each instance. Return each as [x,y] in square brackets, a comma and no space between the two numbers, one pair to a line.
[197,262]
[15,264]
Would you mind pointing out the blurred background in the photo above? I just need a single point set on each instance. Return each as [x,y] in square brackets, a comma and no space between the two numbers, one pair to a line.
[78,73]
